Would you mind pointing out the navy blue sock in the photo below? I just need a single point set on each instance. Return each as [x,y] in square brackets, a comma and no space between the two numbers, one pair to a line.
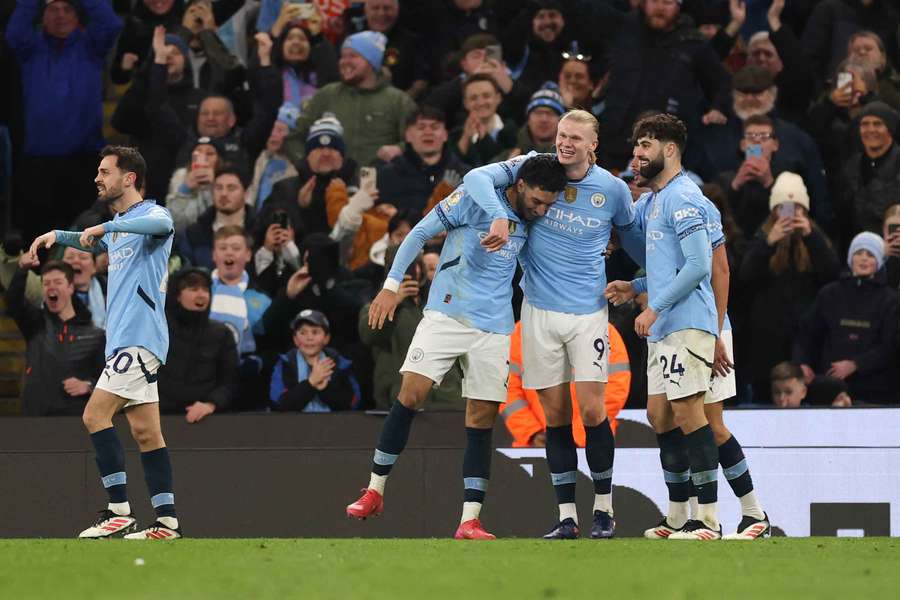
[562,457]
[676,464]
[110,457]
[600,450]
[476,464]
[704,464]
[734,465]
[394,436]
[158,475]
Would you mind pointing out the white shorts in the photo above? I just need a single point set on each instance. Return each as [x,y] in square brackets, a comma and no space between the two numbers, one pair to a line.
[560,347]
[483,356]
[131,374]
[680,364]
[723,388]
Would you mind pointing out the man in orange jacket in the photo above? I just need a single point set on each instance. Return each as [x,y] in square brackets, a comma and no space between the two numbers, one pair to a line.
[522,410]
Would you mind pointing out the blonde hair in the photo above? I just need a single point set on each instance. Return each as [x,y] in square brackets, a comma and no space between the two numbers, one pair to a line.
[583,117]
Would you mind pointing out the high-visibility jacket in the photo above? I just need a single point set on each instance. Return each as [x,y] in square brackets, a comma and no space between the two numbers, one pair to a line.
[522,412]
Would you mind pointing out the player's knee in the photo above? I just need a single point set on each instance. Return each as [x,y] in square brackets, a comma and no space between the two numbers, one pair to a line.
[593,415]
[145,434]
[481,414]
[412,399]
[93,420]
[659,420]
[720,432]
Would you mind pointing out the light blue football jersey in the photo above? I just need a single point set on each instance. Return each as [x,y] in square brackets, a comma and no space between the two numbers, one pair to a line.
[564,260]
[677,211]
[471,285]
[139,241]
[716,239]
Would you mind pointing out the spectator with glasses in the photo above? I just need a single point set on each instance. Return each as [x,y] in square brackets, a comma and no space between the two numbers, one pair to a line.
[749,186]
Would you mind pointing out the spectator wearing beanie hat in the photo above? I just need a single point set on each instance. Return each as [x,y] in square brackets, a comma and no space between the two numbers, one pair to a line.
[851,330]
[784,266]
[372,111]
[302,197]
[272,164]
[539,132]
[62,68]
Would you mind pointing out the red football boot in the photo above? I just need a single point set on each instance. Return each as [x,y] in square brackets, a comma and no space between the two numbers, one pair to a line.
[472,530]
[370,504]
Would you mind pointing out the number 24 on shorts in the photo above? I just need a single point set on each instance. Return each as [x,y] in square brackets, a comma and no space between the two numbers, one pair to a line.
[672,367]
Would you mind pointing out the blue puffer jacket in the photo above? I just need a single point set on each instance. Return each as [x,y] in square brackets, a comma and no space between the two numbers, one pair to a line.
[63,79]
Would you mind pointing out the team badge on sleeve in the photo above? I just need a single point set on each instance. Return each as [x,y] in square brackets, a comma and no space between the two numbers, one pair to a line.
[598,200]
[454,198]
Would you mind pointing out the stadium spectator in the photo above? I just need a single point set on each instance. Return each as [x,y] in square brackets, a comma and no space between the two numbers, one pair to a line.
[358,222]
[159,107]
[779,52]
[484,134]
[831,24]
[201,372]
[479,54]
[214,68]
[455,22]
[272,165]
[191,187]
[891,233]
[535,39]
[90,286]
[658,61]
[832,118]
[784,266]
[276,259]
[580,83]
[866,47]
[522,413]
[406,61]
[307,62]
[320,284]
[869,179]
[65,352]
[398,228]
[754,93]
[426,169]
[790,389]
[431,258]
[303,197]
[229,209]
[313,377]
[62,68]
[134,45]
[372,112]
[851,332]
[539,132]
[390,344]
[749,187]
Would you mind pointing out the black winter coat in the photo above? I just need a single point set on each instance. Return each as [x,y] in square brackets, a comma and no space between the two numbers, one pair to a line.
[202,364]
[779,302]
[56,351]
[861,204]
[854,319]
[407,182]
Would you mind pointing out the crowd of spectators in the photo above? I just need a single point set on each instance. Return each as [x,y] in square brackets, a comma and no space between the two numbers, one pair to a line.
[297,143]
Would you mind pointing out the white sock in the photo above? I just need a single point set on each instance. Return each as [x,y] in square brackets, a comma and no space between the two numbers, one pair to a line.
[123,509]
[751,507]
[170,522]
[708,513]
[678,514]
[568,511]
[694,506]
[471,510]
[603,502]
[376,482]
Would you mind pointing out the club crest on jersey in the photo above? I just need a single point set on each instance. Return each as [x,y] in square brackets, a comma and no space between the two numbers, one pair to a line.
[598,200]
[570,194]
[416,355]
[454,198]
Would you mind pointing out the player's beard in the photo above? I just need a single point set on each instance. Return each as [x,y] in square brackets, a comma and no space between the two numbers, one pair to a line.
[110,194]
[653,168]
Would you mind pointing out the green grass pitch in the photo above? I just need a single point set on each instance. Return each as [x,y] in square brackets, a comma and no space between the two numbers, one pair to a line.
[401,569]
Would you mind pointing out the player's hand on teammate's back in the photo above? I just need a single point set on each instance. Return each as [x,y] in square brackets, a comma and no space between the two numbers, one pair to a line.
[44,241]
[90,236]
[644,322]
[198,411]
[497,235]
[76,387]
[619,292]
[722,364]
[382,307]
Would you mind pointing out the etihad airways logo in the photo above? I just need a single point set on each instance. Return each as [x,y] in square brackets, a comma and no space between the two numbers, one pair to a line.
[570,217]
